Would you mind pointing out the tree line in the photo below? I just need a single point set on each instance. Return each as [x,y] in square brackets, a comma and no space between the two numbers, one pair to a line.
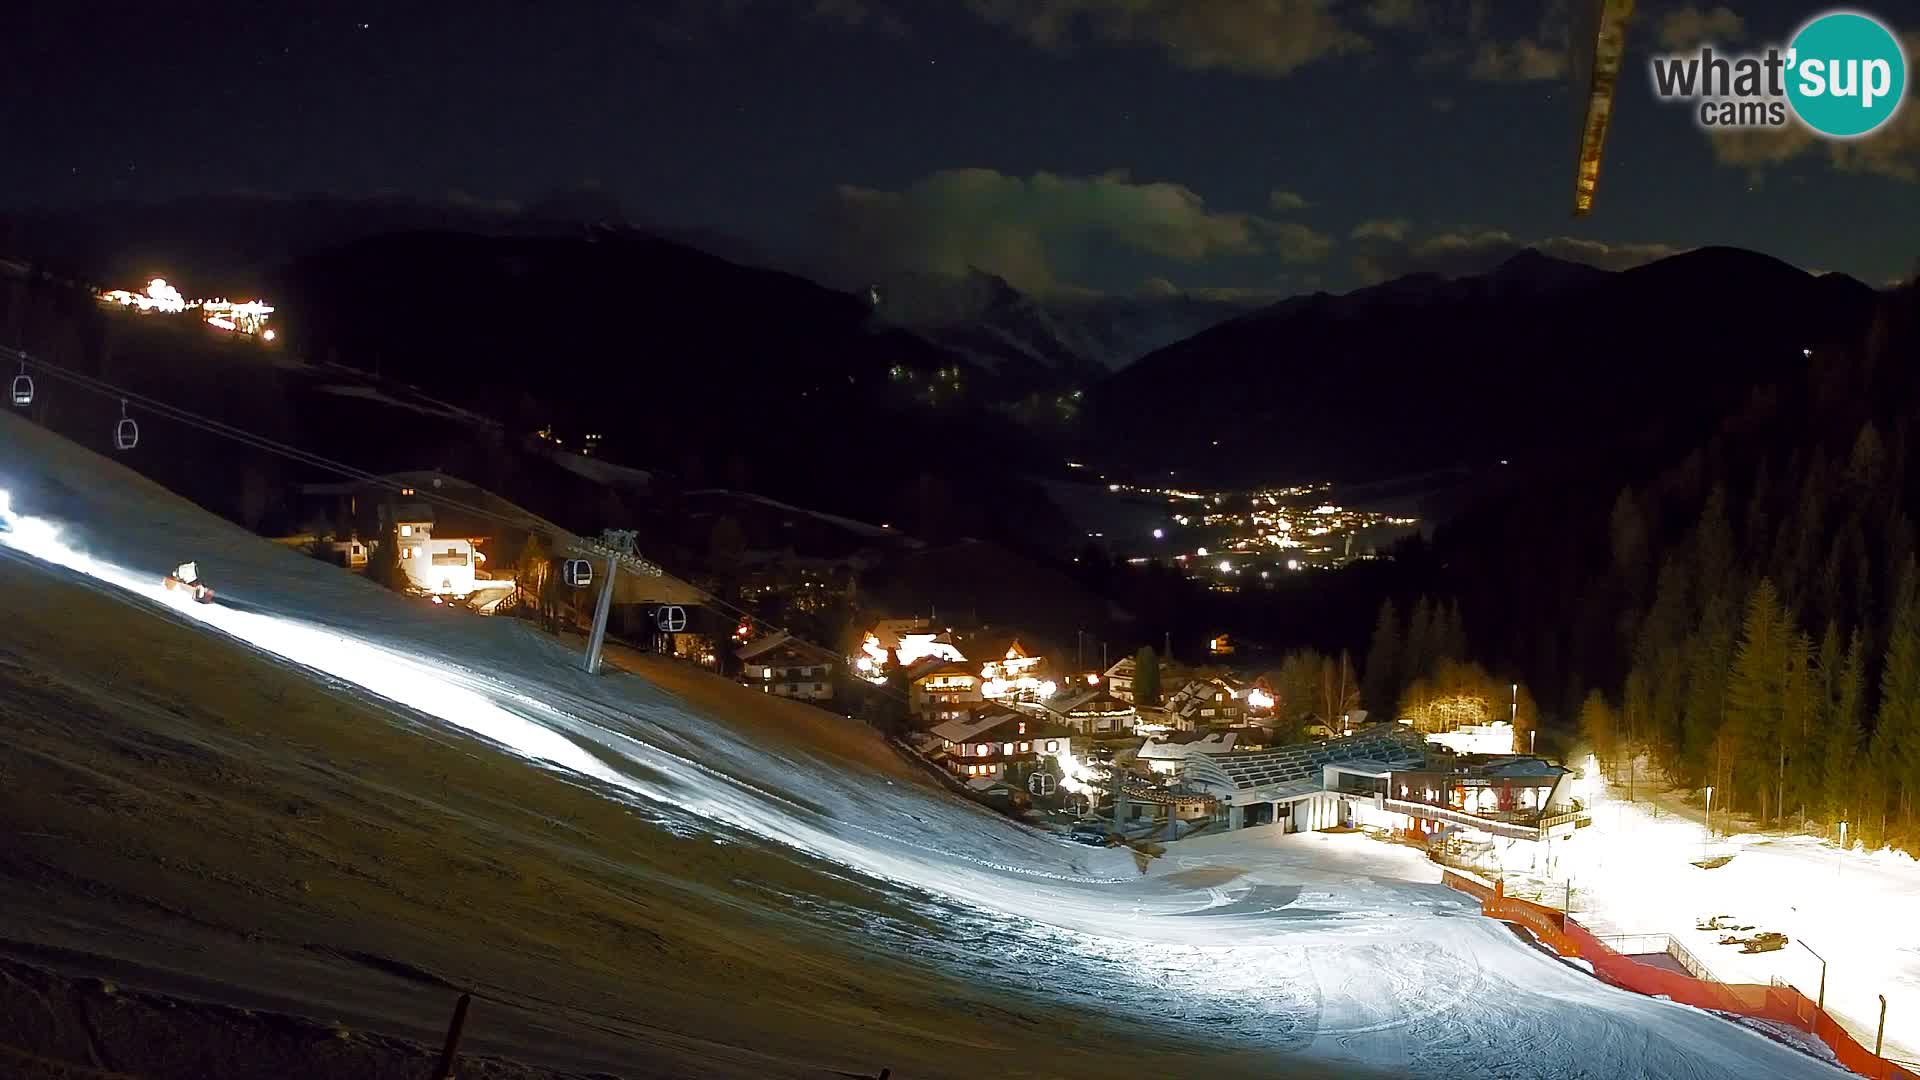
[1743,611]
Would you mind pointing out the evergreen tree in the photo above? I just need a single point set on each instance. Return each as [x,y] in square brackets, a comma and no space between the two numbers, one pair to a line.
[1756,695]
[383,564]
[1146,677]
[1796,768]
[1380,689]
[1420,654]
[1896,734]
[1839,781]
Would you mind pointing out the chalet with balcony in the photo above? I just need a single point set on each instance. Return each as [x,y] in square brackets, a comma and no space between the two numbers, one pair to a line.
[781,665]
[999,744]
[1096,711]
[939,690]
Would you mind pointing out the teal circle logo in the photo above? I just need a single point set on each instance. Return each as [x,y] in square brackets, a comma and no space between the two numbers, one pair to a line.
[1847,74]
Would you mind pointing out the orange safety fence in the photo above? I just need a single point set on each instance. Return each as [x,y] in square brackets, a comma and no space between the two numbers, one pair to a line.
[1780,1004]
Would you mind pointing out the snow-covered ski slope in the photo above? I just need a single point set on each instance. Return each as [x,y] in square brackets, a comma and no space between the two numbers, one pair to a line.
[1285,952]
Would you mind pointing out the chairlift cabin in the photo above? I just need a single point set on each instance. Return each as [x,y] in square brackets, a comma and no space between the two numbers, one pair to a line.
[577,573]
[23,389]
[126,434]
[671,619]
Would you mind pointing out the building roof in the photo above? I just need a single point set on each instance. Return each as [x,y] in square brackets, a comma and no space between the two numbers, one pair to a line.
[934,665]
[1066,706]
[1184,743]
[978,725]
[1195,694]
[770,646]
[1122,670]
[1270,770]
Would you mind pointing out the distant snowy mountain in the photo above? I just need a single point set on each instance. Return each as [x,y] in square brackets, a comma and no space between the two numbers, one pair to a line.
[984,319]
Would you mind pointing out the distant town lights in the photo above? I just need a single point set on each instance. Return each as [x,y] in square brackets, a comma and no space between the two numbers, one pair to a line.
[1159,534]
[1226,567]
[1293,564]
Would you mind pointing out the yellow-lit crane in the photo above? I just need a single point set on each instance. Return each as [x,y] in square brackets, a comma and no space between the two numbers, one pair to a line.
[1599,42]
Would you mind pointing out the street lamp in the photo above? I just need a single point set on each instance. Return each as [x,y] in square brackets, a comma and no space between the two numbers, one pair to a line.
[1822,1003]
[1840,860]
[1709,816]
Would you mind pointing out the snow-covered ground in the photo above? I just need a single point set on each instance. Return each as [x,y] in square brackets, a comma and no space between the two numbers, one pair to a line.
[1633,873]
[1317,948]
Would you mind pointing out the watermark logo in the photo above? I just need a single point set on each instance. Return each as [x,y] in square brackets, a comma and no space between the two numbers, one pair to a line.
[1843,75]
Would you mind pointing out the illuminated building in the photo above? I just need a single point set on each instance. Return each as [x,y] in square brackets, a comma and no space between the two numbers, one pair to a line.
[997,745]
[779,664]
[245,317]
[1012,674]
[939,690]
[1095,711]
[444,566]
[1205,703]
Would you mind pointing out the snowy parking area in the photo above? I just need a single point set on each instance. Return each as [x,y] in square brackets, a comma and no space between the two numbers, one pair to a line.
[1633,873]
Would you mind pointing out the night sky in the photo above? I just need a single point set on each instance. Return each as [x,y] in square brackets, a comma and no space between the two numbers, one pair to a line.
[1116,145]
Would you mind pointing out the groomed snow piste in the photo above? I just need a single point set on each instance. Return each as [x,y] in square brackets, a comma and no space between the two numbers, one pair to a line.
[1308,948]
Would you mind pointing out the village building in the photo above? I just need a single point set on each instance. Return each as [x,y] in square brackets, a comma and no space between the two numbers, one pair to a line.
[1387,776]
[1008,671]
[998,744]
[939,690]
[781,665]
[905,642]
[1118,679]
[1204,703]
[443,565]
[1096,710]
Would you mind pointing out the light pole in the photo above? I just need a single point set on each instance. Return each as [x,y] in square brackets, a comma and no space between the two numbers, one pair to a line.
[1840,860]
[1703,850]
[1822,1003]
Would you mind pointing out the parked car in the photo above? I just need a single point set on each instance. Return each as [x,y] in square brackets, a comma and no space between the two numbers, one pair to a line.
[1093,834]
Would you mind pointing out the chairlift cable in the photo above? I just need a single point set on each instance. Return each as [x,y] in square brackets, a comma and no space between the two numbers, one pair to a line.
[307,457]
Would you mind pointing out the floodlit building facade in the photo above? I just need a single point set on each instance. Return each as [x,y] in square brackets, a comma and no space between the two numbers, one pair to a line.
[1386,776]
[439,566]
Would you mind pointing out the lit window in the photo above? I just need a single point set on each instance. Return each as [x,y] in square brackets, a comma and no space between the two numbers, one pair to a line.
[1023,728]
[406,530]
[1024,747]
[1053,746]
[406,552]
[985,749]
[1007,749]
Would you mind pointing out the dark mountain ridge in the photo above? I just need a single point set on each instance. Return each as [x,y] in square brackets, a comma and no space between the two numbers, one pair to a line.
[1536,357]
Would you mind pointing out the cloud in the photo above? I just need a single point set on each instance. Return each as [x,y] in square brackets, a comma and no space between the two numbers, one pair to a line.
[1387,250]
[1028,229]
[1522,60]
[1451,34]
[1893,150]
[860,13]
[1394,229]
[1396,14]
[1284,200]
[1251,37]
[1692,27]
